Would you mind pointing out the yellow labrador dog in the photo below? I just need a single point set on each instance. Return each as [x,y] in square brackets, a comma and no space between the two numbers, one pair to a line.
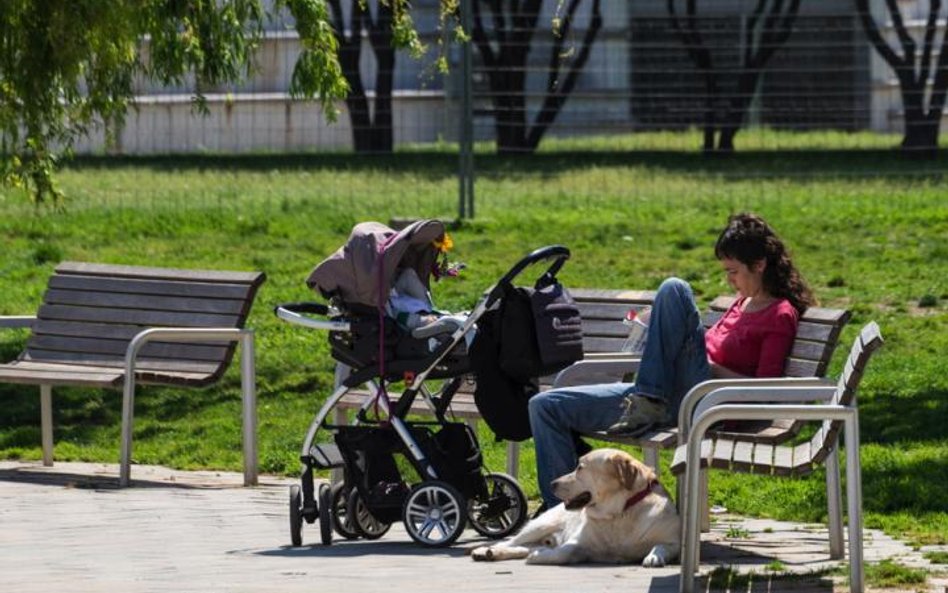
[614,511]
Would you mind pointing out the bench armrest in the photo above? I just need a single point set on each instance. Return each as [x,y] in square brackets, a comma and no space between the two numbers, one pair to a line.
[15,321]
[247,380]
[690,401]
[585,372]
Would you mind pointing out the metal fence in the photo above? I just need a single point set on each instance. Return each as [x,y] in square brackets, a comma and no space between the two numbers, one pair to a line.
[611,77]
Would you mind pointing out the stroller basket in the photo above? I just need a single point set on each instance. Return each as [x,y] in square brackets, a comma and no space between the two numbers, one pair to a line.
[369,454]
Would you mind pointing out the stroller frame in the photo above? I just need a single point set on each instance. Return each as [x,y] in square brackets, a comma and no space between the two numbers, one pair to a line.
[435,511]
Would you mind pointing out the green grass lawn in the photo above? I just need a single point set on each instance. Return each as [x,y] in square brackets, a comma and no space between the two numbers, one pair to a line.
[869,230]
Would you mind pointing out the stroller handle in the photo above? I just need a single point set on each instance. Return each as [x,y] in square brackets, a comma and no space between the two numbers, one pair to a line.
[558,253]
[298,314]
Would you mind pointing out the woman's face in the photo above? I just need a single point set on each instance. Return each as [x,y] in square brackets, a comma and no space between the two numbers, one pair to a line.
[746,280]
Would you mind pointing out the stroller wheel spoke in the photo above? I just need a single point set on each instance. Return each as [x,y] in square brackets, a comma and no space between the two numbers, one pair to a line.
[427,527]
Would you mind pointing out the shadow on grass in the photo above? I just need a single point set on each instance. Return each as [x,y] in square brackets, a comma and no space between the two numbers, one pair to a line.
[81,414]
[440,164]
[916,417]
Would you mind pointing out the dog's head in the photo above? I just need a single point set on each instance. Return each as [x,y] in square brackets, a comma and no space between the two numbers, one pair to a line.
[602,482]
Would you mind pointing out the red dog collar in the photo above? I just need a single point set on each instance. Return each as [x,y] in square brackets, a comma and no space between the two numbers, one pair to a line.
[639,496]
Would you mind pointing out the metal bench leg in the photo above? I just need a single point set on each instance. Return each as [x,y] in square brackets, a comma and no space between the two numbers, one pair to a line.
[248,387]
[46,422]
[704,509]
[854,503]
[513,459]
[650,457]
[128,407]
[834,505]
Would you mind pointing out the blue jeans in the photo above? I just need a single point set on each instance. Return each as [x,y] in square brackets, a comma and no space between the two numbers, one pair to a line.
[673,362]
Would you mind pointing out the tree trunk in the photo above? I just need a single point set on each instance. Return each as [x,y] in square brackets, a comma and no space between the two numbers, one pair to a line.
[381,38]
[739,104]
[505,55]
[508,86]
[921,124]
[921,137]
[371,128]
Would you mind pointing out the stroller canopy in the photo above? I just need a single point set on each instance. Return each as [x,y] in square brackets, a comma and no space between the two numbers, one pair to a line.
[352,272]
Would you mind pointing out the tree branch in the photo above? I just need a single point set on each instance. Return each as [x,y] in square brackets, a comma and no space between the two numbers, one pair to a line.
[931,26]
[940,84]
[556,97]
[479,36]
[875,36]
[908,44]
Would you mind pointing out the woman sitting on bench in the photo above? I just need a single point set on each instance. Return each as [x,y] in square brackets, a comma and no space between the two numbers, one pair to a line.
[752,339]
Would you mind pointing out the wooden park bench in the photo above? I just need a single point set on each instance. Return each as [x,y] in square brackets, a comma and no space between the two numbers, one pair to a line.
[113,326]
[817,336]
[833,406]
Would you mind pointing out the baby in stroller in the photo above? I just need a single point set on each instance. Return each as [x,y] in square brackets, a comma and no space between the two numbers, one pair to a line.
[383,325]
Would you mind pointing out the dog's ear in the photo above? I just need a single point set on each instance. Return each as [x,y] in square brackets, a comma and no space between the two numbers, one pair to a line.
[626,471]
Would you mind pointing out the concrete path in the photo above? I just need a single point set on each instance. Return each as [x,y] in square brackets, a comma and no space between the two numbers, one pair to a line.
[70,529]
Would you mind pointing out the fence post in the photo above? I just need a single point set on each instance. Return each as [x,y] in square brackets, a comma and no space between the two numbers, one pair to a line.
[466,144]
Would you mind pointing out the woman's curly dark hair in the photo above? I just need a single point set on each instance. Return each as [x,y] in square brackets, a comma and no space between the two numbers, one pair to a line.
[749,239]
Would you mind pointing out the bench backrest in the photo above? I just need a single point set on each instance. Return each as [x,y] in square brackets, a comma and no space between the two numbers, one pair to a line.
[603,310]
[90,312]
[868,341]
[817,336]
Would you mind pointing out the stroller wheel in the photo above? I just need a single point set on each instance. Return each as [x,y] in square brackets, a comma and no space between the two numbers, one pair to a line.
[325,514]
[502,512]
[362,519]
[341,520]
[296,516]
[434,513]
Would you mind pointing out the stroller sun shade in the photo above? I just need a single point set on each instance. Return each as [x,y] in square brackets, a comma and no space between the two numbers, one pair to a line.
[352,272]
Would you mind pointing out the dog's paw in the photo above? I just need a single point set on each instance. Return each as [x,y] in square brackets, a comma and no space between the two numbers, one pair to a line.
[655,558]
[482,554]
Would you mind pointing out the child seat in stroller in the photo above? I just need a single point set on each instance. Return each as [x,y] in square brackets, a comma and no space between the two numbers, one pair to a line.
[452,487]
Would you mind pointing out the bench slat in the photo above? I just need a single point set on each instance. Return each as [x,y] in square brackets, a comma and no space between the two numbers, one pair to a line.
[195,289]
[600,344]
[809,350]
[803,368]
[92,269]
[723,451]
[661,439]
[763,458]
[144,302]
[614,312]
[105,360]
[118,348]
[743,455]
[602,328]
[613,295]
[783,461]
[74,376]
[802,459]
[135,317]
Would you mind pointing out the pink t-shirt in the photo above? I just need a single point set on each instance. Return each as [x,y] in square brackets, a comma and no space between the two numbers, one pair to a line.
[754,344]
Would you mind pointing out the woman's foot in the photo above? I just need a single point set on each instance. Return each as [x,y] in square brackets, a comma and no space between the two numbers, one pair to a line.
[641,414]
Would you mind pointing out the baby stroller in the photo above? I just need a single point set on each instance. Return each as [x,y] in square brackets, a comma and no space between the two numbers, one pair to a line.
[381,445]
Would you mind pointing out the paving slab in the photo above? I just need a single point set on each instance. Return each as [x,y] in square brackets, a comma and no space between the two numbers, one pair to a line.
[68,528]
